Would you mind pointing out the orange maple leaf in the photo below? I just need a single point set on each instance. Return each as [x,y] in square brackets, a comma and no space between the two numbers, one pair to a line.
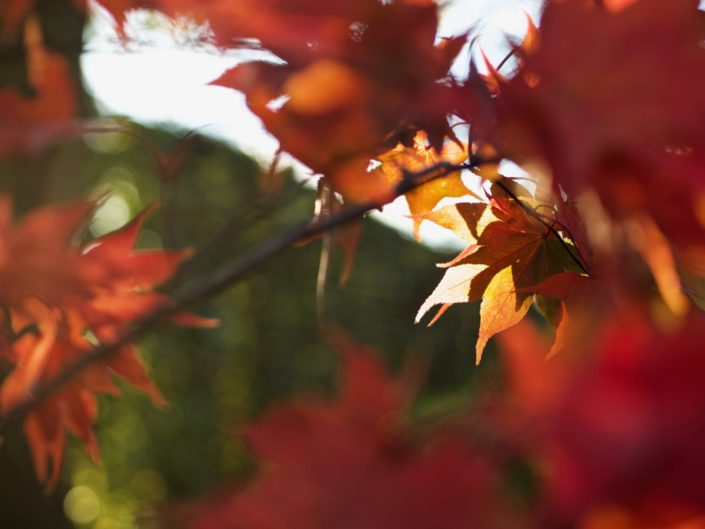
[347,93]
[98,289]
[512,251]
[421,155]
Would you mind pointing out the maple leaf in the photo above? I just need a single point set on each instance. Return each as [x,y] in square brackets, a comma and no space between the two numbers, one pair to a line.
[624,103]
[39,357]
[353,86]
[351,461]
[421,155]
[511,253]
[615,419]
[465,219]
[564,299]
[622,113]
[97,289]
[38,259]
[619,419]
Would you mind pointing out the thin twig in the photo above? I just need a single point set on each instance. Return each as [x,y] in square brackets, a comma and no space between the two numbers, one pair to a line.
[550,226]
[323,209]
[506,58]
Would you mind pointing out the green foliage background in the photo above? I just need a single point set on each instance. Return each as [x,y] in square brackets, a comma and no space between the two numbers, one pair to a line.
[268,346]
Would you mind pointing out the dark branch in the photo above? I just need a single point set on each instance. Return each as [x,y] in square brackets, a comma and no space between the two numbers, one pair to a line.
[216,281]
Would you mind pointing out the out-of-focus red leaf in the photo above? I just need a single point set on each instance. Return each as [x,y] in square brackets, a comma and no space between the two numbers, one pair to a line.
[616,426]
[38,258]
[112,262]
[622,113]
[358,77]
[351,462]
[56,293]
[30,122]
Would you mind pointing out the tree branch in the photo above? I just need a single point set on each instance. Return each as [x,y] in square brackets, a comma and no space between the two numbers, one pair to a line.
[218,280]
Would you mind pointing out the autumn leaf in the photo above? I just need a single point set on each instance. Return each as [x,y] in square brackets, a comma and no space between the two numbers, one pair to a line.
[97,290]
[616,419]
[516,251]
[659,257]
[352,459]
[562,299]
[623,105]
[621,114]
[347,98]
[465,219]
[421,155]
[622,420]
[40,261]
[501,308]
[37,358]
[28,122]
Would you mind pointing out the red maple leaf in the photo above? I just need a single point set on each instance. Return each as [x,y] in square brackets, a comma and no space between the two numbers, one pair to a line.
[358,77]
[612,100]
[616,422]
[352,461]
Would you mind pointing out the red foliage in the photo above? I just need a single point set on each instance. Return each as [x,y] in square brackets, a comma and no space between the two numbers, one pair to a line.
[606,113]
[359,76]
[614,430]
[57,292]
[28,122]
[614,101]
[353,461]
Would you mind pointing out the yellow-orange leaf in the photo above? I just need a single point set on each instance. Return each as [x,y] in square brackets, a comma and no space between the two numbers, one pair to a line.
[506,262]
[418,157]
[453,288]
[465,219]
[500,309]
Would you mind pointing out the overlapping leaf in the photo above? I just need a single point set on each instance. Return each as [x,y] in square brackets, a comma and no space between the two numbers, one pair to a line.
[620,419]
